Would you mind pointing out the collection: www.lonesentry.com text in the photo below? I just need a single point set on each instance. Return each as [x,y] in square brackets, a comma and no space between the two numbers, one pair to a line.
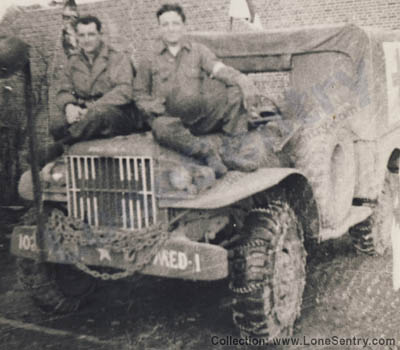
[302,341]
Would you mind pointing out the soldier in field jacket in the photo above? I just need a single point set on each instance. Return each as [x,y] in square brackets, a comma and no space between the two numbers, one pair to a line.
[95,94]
[185,80]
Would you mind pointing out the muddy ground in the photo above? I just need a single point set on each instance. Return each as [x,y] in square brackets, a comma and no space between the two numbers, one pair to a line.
[347,295]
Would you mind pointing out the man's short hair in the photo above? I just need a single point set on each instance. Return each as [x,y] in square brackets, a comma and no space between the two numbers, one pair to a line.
[171,7]
[87,20]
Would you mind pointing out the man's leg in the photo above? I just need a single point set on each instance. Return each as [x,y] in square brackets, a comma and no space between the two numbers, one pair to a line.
[223,111]
[170,132]
[102,121]
[217,109]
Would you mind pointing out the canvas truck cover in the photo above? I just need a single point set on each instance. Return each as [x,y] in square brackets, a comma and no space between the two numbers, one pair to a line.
[371,57]
[232,46]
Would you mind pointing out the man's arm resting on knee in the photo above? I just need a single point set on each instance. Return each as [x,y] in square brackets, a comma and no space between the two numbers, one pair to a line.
[229,76]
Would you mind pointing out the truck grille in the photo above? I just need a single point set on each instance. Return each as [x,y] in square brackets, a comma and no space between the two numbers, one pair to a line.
[112,191]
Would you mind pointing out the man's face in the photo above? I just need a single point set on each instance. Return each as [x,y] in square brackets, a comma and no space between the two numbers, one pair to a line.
[89,38]
[172,27]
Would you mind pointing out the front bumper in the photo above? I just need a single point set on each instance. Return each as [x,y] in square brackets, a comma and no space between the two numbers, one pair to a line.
[178,258]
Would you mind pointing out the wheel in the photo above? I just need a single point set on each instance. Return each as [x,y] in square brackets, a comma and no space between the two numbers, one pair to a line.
[327,160]
[55,288]
[373,235]
[268,272]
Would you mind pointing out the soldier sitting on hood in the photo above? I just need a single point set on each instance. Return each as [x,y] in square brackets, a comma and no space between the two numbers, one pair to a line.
[95,94]
[185,80]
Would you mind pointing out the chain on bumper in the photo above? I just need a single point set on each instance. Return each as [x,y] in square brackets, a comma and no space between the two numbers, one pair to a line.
[69,233]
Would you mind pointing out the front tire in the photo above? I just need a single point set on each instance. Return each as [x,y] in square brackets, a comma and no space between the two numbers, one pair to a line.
[54,288]
[268,272]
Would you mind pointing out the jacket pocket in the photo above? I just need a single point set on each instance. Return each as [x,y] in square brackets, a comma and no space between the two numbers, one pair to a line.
[192,72]
[160,75]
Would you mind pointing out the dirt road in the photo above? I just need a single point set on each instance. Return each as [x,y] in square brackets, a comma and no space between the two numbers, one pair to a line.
[348,298]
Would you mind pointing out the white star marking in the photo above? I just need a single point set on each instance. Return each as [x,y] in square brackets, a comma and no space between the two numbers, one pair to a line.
[104,254]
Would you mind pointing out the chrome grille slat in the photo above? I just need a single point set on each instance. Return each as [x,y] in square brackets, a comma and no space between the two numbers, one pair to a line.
[74,187]
[88,184]
[81,182]
[152,188]
[95,204]
[146,209]
[69,199]
[117,194]
[122,179]
[106,191]
[130,188]
[138,206]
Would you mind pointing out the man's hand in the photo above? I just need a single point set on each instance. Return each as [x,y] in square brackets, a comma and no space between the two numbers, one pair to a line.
[249,91]
[231,77]
[74,113]
[250,95]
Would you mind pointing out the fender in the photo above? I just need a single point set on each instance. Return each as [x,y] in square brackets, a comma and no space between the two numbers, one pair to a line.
[232,188]
[236,186]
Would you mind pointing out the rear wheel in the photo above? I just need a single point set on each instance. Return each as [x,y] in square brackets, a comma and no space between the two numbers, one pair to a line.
[373,235]
[268,272]
[327,160]
[55,288]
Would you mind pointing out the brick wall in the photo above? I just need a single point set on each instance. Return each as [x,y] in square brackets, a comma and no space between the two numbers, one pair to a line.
[285,13]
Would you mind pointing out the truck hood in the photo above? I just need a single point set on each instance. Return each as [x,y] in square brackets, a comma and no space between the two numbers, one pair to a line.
[177,177]
[140,145]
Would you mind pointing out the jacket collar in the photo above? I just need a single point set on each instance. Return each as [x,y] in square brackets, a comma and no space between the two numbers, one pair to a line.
[101,53]
[162,47]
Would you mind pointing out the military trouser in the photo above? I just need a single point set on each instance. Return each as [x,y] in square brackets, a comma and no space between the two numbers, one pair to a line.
[102,121]
[170,132]
[218,108]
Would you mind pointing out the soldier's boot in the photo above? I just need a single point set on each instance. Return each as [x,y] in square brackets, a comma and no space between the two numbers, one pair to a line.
[171,133]
[242,152]
[205,151]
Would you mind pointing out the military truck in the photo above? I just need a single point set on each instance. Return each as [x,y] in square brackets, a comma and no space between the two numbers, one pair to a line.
[330,163]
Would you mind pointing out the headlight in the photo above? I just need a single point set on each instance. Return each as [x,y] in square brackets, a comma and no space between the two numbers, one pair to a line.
[177,179]
[58,177]
[181,180]
[54,174]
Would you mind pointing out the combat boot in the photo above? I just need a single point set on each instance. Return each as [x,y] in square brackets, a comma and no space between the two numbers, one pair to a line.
[242,152]
[205,151]
[170,132]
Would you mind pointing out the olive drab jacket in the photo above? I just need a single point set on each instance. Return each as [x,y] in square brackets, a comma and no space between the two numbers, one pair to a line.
[108,80]
[178,81]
